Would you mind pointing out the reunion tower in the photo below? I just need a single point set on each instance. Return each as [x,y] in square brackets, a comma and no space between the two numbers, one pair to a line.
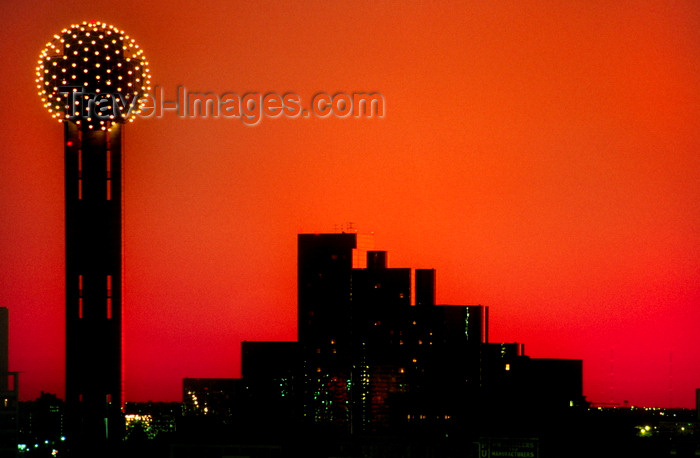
[90,77]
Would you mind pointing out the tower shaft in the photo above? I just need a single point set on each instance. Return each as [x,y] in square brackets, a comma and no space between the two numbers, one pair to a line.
[93,198]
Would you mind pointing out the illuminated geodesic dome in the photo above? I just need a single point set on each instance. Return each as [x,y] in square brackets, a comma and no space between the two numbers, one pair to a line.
[103,65]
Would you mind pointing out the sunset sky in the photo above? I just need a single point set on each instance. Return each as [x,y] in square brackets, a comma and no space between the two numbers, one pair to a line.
[542,156]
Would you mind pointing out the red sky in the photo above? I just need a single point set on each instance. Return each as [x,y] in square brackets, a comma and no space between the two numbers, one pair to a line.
[542,156]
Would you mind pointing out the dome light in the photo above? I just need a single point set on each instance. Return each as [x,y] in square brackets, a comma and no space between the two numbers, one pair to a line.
[98,49]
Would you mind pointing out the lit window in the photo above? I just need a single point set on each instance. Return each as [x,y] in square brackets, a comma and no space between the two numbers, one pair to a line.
[109,297]
[108,172]
[80,296]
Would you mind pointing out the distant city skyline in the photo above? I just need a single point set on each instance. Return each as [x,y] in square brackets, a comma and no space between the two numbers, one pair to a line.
[376,357]
[542,158]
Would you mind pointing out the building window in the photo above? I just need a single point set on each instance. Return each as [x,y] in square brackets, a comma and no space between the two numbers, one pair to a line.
[80,297]
[108,174]
[109,297]
[80,173]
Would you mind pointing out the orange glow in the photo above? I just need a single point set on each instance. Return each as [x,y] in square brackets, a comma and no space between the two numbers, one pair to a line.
[542,157]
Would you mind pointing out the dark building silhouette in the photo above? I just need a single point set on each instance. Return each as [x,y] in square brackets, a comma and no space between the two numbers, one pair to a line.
[414,363]
[9,392]
[208,396]
[550,383]
[425,287]
[382,369]
[272,374]
[4,345]
[498,371]
[41,421]
[325,264]
[377,355]
[211,409]
[374,353]
[151,420]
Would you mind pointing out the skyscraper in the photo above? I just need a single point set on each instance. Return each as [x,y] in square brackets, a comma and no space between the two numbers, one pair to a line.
[377,357]
[88,76]
[377,351]
[325,263]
